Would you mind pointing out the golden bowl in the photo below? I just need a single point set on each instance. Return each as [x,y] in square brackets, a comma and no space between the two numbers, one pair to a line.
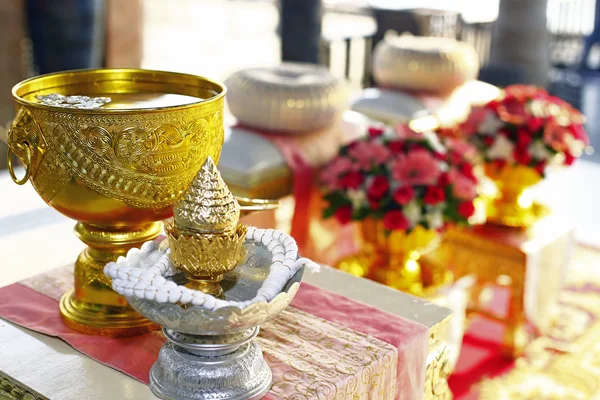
[116,169]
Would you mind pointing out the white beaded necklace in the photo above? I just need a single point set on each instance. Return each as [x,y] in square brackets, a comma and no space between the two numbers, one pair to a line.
[142,272]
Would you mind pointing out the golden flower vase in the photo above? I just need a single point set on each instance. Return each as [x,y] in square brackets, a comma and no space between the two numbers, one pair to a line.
[117,169]
[513,204]
[392,258]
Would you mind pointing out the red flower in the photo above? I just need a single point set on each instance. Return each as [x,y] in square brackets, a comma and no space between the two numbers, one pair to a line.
[534,124]
[466,209]
[395,220]
[416,147]
[374,204]
[541,167]
[522,156]
[569,158]
[434,195]
[375,131]
[444,179]
[379,187]
[488,140]
[513,111]
[352,180]
[344,214]
[499,164]
[467,170]
[440,156]
[579,133]
[492,105]
[404,195]
[523,138]
[396,146]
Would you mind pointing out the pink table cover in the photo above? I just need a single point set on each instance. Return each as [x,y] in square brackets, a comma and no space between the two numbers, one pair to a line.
[323,346]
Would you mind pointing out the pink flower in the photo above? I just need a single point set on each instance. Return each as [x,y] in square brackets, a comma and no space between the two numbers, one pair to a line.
[368,153]
[556,135]
[476,117]
[463,187]
[465,150]
[331,174]
[416,168]
[405,132]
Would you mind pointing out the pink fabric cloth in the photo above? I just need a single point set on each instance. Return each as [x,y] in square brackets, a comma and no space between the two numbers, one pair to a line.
[134,356]
[410,338]
[303,177]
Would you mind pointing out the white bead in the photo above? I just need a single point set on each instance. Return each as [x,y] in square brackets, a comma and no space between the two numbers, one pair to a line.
[277,234]
[271,245]
[141,285]
[139,293]
[266,239]
[170,285]
[291,255]
[147,276]
[276,264]
[136,272]
[198,300]
[174,296]
[134,258]
[209,302]
[128,292]
[291,247]
[158,281]
[289,263]
[258,234]
[123,272]
[148,247]
[155,270]
[186,296]
[121,260]
[162,296]
[278,249]
[149,294]
[220,304]
[288,240]
[129,284]
[261,298]
[278,257]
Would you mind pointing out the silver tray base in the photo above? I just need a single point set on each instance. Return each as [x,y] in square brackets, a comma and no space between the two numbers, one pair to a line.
[194,367]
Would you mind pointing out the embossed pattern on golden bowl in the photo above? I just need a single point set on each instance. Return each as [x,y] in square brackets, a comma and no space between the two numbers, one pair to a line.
[127,162]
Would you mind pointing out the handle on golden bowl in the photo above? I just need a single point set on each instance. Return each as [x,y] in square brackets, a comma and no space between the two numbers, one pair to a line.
[25,141]
[248,205]
[26,163]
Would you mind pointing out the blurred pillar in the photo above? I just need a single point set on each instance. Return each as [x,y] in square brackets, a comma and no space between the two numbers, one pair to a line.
[11,66]
[520,39]
[300,22]
[124,33]
[67,34]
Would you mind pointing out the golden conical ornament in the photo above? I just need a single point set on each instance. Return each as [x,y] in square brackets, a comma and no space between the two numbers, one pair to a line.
[207,205]
[206,240]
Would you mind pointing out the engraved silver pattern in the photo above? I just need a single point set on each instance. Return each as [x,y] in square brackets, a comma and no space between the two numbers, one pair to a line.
[82,102]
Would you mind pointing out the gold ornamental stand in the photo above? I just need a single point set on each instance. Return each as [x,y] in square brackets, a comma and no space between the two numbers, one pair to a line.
[93,307]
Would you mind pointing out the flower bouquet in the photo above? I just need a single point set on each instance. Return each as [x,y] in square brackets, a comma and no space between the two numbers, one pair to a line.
[404,188]
[518,136]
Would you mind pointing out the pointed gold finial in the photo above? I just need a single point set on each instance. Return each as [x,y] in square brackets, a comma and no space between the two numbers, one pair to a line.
[207,205]
[206,240]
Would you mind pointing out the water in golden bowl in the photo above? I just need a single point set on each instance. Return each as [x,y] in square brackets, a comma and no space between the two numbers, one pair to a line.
[116,168]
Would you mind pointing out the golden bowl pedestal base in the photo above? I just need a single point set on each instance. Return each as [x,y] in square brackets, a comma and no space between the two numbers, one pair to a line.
[93,307]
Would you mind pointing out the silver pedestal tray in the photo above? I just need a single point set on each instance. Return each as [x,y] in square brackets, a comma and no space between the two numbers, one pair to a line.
[210,354]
